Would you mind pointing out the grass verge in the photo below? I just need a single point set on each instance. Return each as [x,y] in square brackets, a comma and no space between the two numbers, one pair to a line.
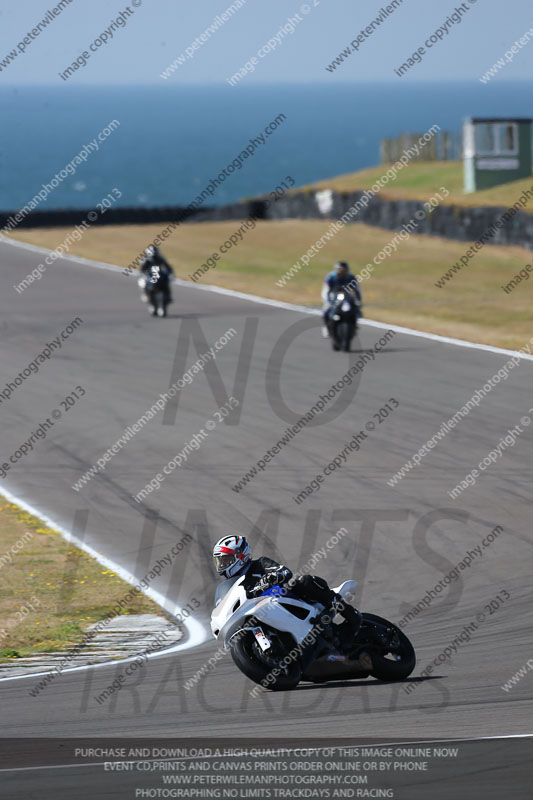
[401,289]
[50,591]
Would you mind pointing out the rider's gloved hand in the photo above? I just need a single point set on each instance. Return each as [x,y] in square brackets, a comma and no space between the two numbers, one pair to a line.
[266,582]
[259,588]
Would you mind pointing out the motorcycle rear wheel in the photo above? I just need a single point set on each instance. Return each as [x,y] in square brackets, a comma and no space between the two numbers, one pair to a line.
[389,669]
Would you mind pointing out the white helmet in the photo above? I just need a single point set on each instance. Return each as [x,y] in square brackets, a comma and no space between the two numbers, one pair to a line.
[152,251]
[231,554]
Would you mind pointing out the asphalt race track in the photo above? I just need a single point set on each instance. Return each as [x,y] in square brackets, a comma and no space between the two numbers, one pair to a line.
[401,540]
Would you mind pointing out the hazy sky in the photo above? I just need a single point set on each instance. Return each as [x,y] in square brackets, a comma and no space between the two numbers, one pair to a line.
[158,31]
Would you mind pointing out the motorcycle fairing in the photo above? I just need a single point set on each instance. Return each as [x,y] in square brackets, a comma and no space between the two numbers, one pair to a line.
[235,610]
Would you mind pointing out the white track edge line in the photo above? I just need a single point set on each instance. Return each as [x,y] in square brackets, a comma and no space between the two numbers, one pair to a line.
[196,632]
[252,298]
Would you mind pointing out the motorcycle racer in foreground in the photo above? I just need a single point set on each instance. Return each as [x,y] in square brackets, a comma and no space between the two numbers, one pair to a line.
[233,558]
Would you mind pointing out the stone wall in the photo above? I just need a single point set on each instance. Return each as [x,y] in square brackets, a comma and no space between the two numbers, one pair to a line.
[452,222]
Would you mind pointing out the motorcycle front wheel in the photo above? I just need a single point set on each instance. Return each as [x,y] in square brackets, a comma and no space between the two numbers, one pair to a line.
[263,668]
[344,335]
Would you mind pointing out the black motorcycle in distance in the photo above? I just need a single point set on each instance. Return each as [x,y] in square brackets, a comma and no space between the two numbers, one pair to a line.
[156,292]
[344,311]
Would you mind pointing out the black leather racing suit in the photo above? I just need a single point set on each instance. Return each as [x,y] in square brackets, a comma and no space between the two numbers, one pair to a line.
[260,568]
[158,270]
[310,588]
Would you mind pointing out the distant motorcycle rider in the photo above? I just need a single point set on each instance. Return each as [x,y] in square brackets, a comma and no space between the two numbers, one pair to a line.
[233,557]
[339,278]
[156,269]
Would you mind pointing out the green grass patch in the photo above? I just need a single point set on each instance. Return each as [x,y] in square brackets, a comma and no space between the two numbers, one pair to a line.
[62,589]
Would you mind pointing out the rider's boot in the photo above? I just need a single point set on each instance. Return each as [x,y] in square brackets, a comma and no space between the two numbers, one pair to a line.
[351,626]
[325,328]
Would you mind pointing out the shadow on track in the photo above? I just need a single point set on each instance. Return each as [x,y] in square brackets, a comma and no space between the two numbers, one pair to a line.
[359,684]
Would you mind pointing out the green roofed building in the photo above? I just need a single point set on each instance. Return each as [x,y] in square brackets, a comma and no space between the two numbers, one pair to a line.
[495,151]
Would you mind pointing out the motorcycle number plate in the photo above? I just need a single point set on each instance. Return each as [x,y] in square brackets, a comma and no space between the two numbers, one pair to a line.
[262,639]
[345,306]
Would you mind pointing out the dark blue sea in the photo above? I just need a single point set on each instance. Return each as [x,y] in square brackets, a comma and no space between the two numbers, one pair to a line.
[172,140]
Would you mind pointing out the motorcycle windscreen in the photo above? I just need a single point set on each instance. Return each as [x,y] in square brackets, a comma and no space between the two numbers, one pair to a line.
[224,587]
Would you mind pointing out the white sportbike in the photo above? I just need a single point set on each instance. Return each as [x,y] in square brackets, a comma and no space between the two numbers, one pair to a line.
[278,639]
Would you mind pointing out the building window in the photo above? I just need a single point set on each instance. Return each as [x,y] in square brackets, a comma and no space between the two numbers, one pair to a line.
[509,139]
[496,139]
[485,142]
